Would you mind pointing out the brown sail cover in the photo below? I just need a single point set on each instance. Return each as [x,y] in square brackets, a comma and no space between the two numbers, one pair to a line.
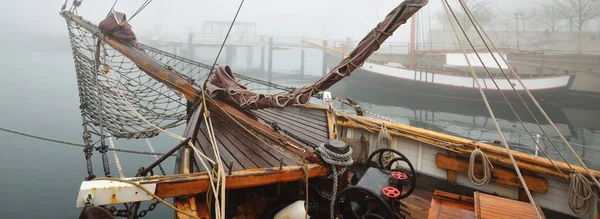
[222,84]
[115,25]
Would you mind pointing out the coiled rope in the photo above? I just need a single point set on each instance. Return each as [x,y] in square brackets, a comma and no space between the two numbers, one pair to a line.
[485,165]
[385,135]
[580,193]
[335,160]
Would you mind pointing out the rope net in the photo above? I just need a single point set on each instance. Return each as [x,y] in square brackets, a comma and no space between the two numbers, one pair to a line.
[100,102]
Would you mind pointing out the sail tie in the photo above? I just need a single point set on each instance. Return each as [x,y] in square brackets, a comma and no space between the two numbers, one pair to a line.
[485,165]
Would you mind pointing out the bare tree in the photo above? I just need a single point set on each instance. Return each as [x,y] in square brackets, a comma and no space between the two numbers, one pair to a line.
[579,12]
[549,14]
[481,10]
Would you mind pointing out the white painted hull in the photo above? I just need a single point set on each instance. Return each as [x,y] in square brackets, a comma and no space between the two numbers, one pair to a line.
[422,156]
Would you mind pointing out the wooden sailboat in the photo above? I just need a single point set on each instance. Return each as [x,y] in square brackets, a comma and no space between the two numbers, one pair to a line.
[443,75]
[247,155]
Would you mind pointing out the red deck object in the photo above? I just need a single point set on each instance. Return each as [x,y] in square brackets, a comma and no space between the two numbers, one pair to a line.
[390,192]
[399,175]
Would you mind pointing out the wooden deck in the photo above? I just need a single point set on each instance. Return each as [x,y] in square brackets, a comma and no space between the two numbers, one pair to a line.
[256,145]
[306,123]
[417,204]
[255,154]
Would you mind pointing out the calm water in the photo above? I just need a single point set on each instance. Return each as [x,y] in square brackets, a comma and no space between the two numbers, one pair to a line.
[38,92]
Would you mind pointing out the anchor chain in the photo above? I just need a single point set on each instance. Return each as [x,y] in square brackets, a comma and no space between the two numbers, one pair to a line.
[88,150]
[150,208]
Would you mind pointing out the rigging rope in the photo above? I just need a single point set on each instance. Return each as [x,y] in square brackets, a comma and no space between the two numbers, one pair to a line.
[477,28]
[335,160]
[75,144]
[543,112]
[449,10]
[219,183]
[219,208]
[212,68]
[159,104]
[142,7]
[485,165]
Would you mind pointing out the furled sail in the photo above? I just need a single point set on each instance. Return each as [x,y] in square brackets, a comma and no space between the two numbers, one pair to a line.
[222,84]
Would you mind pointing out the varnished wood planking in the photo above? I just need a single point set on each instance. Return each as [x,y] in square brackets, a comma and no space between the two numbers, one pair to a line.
[267,151]
[183,166]
[313,126]
[251,122]
[306,133]
[451,206]
[242,146]
[331,126]
[306,123]
[489,206]
[451,175]
[193,184]
[500,175]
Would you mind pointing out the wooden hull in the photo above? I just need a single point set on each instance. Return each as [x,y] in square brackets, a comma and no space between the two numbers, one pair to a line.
[385,83]
[423,157]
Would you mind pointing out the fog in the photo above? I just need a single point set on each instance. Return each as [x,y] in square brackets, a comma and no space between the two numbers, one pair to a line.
[39,90]
[312,18]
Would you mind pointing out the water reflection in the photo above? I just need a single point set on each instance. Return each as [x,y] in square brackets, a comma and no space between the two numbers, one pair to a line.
[472,120]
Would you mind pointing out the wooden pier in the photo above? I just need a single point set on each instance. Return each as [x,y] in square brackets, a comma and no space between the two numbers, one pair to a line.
[268,48]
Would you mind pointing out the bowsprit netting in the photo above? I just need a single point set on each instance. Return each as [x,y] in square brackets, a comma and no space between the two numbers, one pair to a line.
[100,101]
[108,82]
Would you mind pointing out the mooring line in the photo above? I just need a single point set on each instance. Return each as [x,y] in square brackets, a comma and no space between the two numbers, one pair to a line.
[75,144]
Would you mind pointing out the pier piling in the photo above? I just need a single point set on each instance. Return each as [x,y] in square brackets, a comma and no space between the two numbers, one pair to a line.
[270,71]
[302,61]
[324,71]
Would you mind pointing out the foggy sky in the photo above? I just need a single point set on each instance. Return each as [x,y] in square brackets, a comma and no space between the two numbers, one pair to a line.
[312,18]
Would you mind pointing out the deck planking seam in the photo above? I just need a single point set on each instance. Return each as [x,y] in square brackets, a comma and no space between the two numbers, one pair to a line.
[301,110]
[243,149]
[234,151]
[226,157]
[301,122]
[271,152]
[301,114]
[301,133]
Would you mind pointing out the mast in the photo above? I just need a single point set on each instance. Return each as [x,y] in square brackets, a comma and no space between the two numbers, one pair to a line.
[411,44]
